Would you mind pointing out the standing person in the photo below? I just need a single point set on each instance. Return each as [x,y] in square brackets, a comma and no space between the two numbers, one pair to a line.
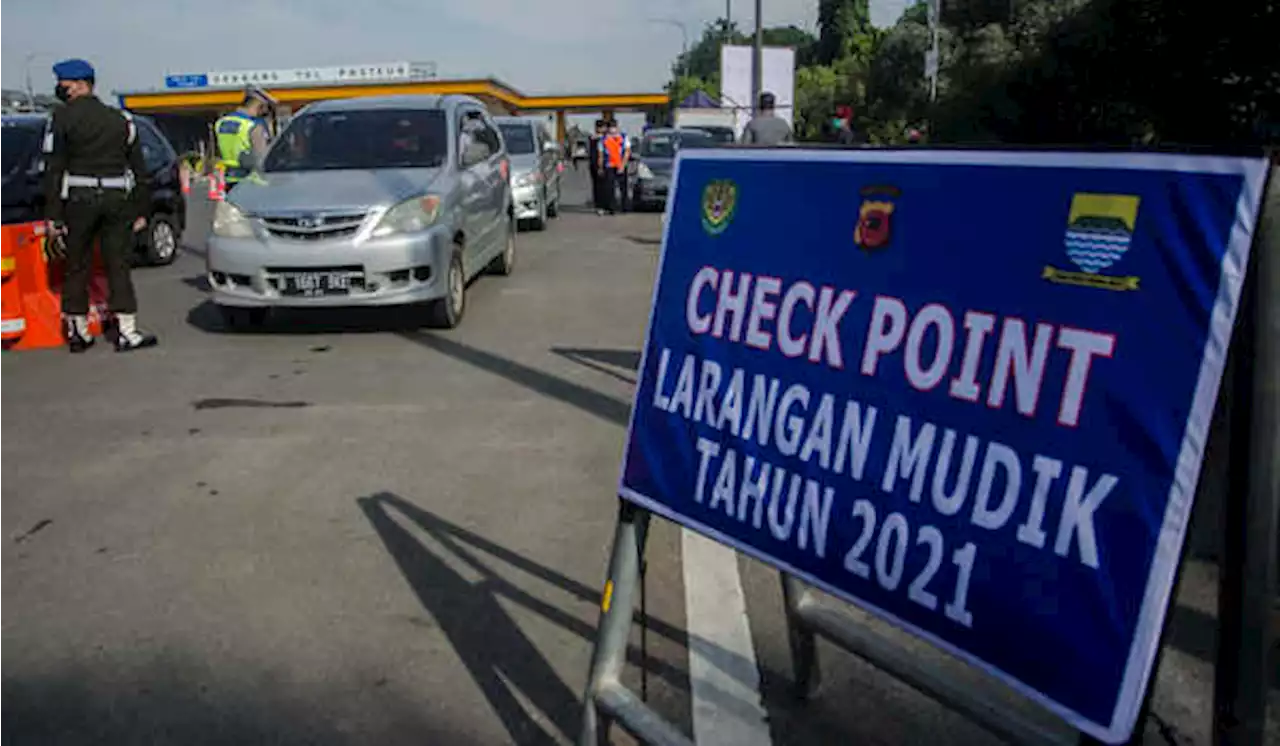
[766,127]
[97,190]
[615,152]
[596,165]
[842,127]
[244,131]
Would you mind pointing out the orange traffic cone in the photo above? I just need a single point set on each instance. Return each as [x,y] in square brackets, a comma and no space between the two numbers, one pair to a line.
[218,184]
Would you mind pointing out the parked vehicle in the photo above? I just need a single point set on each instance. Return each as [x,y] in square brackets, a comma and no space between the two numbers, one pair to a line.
[23,193]
[535,169]
[720,135]
[367,202]
[654,160]
[705,118]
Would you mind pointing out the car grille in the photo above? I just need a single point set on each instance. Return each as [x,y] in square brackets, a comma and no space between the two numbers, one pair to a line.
[318,227]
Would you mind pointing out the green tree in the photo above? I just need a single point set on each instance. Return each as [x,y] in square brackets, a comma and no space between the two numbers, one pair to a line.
[897,92]
[844,30]
[702,60]
[681,87]
[818,90]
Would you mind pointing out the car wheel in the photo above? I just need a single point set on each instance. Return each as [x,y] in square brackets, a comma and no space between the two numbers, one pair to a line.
[236,318]
[446,313]
[505,263]
[540,223]
[162,240]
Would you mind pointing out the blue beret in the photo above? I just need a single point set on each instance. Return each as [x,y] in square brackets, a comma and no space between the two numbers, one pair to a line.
[73,70]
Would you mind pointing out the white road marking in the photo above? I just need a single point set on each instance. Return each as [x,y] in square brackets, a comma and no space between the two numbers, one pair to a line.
[723,677]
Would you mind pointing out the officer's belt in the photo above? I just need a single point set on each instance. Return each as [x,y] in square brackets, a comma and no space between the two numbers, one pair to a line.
[96,182]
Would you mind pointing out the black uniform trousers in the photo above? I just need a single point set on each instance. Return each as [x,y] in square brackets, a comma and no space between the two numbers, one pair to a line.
[598,185]
[103,217]
[615,190]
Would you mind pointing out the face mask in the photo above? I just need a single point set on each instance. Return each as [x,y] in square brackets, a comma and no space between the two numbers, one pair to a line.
[62,94]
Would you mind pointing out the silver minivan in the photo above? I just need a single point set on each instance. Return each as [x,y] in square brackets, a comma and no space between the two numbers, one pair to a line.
[367,202]
[536,165]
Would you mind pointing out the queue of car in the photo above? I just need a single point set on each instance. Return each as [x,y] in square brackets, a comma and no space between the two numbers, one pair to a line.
[382,201]
[536,167]
[654,161]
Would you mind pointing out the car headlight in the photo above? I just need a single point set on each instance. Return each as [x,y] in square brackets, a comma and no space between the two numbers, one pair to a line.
[528,178]
[230,222]
[410,216]
[643,171]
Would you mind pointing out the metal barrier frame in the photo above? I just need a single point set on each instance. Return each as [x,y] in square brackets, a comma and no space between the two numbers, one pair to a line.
[1247,578]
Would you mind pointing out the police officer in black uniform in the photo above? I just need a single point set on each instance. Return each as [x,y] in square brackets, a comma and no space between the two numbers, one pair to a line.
[97,191]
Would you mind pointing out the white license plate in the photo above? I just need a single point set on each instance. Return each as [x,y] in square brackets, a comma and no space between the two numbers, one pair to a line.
[316,283]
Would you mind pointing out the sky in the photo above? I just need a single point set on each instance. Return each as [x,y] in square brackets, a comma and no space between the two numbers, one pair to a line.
[547,46]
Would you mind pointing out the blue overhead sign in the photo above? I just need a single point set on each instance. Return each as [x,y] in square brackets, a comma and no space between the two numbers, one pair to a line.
[968,391]
[191,80]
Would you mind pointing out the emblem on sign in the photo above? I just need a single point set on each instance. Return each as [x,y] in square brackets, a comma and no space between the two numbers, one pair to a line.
[1099,230]
[719,202]
[875,226]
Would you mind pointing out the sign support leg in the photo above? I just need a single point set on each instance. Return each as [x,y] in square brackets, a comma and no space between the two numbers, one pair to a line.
[607,700]
[616,607]
[804,643]
[1248,574]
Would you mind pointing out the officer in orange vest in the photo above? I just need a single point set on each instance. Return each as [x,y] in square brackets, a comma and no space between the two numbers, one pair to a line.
[615,152]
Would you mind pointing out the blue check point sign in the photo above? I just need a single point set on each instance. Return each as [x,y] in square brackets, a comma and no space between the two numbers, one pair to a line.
[966,391]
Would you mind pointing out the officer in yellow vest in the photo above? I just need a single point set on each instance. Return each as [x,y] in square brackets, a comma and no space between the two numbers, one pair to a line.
[244,131]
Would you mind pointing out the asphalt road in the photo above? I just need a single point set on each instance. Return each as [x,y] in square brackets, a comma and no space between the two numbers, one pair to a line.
[346,529]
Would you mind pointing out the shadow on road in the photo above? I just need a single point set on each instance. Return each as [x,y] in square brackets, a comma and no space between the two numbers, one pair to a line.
[177,701]
[302,321]
[588,400]
[490,643]
[199,282]
[572,209]
[500,658]
[603,360]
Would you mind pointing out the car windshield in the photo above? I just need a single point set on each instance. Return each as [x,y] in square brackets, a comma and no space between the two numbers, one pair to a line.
[662,145]
[18,146]
[519,138]
[374,138]
[665,144]
[697,139]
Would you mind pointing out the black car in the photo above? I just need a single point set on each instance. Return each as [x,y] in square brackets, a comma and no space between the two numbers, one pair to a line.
[24,177]
[654,159]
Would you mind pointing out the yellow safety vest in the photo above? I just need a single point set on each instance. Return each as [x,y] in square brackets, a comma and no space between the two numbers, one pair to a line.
[232,133]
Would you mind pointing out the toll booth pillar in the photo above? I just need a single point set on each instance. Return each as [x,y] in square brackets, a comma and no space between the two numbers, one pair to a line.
[561,131]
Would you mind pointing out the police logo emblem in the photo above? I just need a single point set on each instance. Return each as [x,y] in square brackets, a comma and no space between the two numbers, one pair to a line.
[719,202]
[1099,230]
[875,225]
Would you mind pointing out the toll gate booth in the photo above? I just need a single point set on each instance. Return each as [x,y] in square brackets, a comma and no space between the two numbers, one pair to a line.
[189,104]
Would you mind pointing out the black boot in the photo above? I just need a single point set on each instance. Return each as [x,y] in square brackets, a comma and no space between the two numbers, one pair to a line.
[76,329]
[127,336]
